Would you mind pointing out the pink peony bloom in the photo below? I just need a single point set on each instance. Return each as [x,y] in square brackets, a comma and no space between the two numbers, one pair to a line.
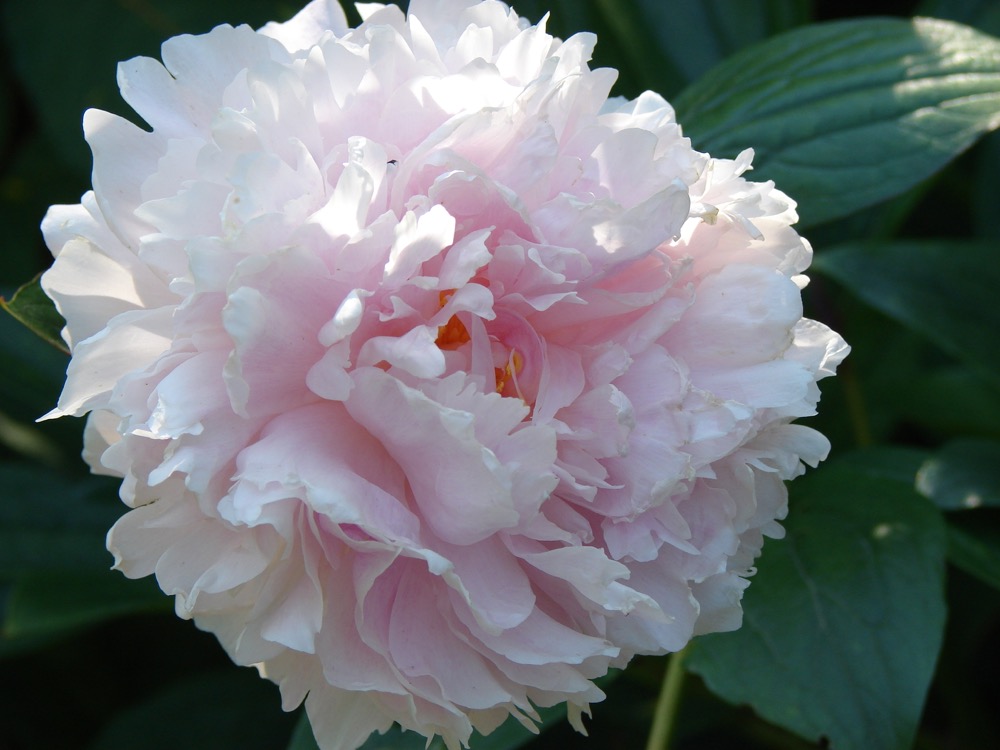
[440,382]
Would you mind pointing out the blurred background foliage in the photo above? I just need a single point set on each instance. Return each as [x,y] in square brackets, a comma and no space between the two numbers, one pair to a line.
[90,660]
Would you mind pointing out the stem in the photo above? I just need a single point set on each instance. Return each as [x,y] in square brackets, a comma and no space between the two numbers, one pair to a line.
[666,707]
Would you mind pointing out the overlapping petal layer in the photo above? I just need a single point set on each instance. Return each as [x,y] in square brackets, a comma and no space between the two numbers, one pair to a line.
[440,382]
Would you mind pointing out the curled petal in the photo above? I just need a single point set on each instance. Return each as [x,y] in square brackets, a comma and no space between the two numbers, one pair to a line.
[439,382]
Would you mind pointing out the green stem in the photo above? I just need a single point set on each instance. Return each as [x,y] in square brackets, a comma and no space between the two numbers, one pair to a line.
[666,707]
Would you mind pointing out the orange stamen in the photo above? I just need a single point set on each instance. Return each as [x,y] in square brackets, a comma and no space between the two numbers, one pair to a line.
[453,333]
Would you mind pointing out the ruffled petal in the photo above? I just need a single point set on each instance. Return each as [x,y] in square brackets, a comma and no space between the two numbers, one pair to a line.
[439,383]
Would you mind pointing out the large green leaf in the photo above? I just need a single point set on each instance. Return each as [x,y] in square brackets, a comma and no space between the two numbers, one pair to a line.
[844,619]
[844,115]
[943,290]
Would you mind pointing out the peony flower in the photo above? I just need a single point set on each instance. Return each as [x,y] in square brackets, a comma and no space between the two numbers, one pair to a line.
[439,381]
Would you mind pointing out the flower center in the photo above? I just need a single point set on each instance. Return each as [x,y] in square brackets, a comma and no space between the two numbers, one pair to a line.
[509,373]
[453,334]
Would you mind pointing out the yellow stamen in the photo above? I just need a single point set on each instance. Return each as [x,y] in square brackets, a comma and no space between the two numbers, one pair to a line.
[453,333]
[515,361]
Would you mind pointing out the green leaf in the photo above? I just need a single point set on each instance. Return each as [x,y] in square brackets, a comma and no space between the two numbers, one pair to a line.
[34,309]
[47,603]
[945,291]
[844,619]
[233,708]
[844,115]
[964,474]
